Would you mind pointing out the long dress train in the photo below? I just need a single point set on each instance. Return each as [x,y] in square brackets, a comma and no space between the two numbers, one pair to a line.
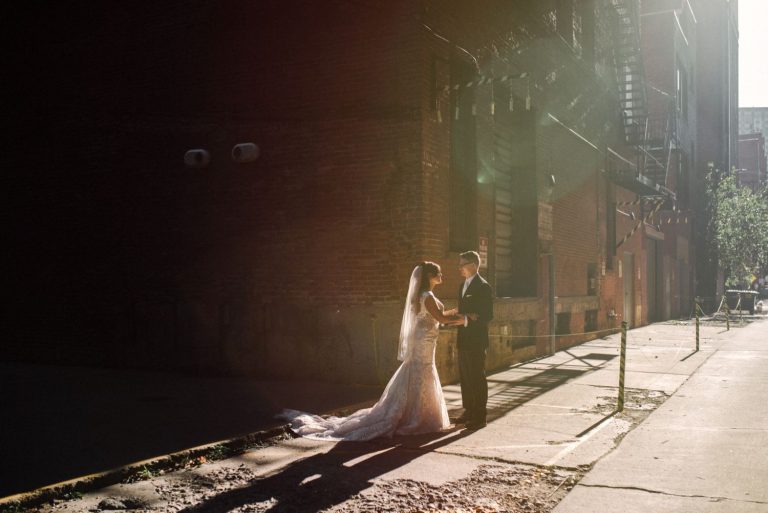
[412,402]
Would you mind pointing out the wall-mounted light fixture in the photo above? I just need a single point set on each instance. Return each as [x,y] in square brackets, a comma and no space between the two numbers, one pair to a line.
[245,152]
[197,158]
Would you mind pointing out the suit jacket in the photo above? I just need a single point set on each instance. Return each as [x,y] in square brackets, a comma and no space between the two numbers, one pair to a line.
[479,300]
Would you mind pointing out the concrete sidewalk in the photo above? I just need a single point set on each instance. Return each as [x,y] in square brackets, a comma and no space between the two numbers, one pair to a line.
[704,450]
[555,412]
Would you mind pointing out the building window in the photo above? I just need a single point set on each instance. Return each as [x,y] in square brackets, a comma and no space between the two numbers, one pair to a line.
[591,279]
[462,218]
[516,219]
[590,321]
[563,326]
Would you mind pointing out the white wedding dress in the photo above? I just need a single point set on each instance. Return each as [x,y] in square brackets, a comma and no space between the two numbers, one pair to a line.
[412,402]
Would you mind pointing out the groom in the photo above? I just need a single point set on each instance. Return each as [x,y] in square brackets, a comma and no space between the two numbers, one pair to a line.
[476,304]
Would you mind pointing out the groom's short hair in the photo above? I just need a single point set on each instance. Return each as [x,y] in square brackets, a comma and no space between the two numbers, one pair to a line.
[471,256]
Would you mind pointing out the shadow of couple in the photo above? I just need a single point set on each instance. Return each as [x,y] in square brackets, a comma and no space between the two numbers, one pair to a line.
[327,479]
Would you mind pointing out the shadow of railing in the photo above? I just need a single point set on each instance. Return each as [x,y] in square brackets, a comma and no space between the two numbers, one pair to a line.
[506,395]
[513,394]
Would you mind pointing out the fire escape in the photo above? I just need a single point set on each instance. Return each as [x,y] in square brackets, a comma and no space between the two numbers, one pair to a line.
[652,141]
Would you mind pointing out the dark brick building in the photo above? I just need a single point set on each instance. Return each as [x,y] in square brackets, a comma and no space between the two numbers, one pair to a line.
[718,119]
[669,31]
[752,162]
[388,134]
[753,126]
[753,119]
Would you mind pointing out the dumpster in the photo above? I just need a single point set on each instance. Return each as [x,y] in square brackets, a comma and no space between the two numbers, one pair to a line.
[748,299]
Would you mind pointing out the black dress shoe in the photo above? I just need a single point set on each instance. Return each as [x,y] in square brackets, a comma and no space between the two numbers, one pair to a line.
[476,424]
[463,419]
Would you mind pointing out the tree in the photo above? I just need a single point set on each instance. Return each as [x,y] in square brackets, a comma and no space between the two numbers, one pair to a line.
[738,228]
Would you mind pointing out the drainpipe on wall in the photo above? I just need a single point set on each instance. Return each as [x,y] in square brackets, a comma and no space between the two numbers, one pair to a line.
[552,303]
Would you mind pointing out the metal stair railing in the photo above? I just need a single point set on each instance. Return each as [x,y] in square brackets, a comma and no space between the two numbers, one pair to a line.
[630,73]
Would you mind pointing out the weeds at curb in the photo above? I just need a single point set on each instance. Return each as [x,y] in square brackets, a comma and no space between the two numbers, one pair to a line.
[177,461]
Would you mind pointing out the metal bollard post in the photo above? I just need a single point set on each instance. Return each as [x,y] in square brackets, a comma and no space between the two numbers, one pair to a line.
[697,325]
[622,360]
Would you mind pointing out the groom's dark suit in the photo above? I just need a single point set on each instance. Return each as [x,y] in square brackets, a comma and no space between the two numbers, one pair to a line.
[473,343]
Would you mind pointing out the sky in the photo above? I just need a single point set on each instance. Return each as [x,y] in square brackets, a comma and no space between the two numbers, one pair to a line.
[753,53]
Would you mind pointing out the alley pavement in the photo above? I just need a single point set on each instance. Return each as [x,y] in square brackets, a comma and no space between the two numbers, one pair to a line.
[692,437]
[704,450]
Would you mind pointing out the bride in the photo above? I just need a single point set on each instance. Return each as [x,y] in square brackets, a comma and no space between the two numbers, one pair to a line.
[412,402]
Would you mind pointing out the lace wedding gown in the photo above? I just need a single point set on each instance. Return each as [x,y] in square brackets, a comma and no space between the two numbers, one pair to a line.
[412,402]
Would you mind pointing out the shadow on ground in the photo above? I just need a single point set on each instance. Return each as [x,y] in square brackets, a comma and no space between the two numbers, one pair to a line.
[509,394]
[328,479]
[97,419]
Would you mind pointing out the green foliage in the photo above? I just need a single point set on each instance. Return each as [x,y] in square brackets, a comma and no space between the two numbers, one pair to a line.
[72,495]
[738,229]
[12,507]
[219,452]
[146,472]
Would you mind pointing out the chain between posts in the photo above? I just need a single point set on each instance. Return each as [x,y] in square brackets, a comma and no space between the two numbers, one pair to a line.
[724,304]
[609,330]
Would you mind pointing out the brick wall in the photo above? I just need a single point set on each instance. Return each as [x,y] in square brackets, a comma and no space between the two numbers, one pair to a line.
[295,265]
[752,162]
[245,267]
[658,49]
[717,111]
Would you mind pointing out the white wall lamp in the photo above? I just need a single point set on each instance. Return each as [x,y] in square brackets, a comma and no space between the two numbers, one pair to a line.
[197,158]
[245,152]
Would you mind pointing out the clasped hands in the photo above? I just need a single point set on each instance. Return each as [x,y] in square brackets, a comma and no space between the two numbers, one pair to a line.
[458,318]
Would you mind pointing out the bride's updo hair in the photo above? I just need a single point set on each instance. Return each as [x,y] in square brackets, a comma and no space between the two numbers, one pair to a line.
[428,270]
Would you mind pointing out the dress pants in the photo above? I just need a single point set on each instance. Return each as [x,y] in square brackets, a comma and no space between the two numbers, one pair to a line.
[474,387]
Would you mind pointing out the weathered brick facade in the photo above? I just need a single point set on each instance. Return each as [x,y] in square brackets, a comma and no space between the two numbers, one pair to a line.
[752,161]
[669,38]
[296,264]
[717,126]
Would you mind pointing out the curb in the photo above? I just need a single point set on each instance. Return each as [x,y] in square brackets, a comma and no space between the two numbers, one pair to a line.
[71,488]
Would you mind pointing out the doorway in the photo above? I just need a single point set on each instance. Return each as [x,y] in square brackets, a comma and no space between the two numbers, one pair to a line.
[655,284]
